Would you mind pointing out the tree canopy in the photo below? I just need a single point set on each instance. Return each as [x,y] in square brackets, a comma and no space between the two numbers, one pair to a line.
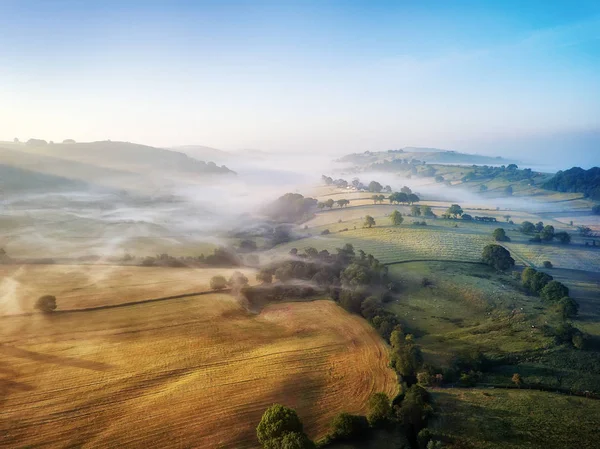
[281,428]
[498,257]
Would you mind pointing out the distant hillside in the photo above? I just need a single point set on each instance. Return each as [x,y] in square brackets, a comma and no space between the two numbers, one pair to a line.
[121,155]
[576,180]
[14,179]
[204,153]
[415,155]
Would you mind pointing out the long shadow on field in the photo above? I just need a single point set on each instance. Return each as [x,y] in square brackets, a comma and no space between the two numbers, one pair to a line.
[46,358]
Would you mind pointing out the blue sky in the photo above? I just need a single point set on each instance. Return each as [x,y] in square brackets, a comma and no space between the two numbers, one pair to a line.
[302,76]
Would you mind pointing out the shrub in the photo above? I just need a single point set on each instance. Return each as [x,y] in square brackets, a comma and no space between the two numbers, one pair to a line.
[218,282]
[325,232]
[46,304]
[563,237]
[547,264]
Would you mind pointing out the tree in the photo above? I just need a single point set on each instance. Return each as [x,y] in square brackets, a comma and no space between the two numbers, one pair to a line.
[547,233]
[547,264]
[508,190]
[380,409]
[329,203]
[237,280]
[70,141]
[539,226]
[455,210]
[415,211]
[387,189]
[264,276]
[320,204]
[406,190]
[483,188]
[426,211]
[563,237]
[554,291]
[415,410]
[412,198]
[527,227]
[516,379]
[347,427]
[439,178]
[374,186]
[498,257]
[218,282]
[280,428]
[467,217]
[369,222]
[567,307]
[499,235]
[396,218]
[46,304]
[538,281]
[507,217]
[343,202]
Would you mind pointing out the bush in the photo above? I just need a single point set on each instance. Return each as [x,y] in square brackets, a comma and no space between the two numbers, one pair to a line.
[325,232]
[554,291]
[46,304]
[347,427]
[218,283]
[547,264]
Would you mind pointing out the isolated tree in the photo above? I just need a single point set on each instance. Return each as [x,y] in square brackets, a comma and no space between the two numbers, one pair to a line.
[374,186]
[455,210]
[547,233]
[329,203]
[507,217]
[218,282]
[415,211]
[547,264]
[237,280]
[498,257]
[342,202]
[46,304]
[264,276]
[508,190]
[369,222]
[554,291]
[516,379]
[426,211]
[380,409]
[280,428]
[499,235]
[396,218]
[348,427]
[527,227]
[16,140]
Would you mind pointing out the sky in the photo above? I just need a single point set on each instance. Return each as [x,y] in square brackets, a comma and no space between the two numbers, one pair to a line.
[342,76]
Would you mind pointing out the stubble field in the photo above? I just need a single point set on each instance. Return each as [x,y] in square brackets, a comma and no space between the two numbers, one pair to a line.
[192,372]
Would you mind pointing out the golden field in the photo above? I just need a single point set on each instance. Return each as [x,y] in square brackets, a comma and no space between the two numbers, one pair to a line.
[81,286]
[192,372]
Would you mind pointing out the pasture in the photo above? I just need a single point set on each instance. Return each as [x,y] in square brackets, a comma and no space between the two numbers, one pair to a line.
[81,286]
[192,372]
[510,419]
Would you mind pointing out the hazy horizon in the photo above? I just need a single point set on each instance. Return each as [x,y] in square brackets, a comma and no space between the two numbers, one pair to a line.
[335,77]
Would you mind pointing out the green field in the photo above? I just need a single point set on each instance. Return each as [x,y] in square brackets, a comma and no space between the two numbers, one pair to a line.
[510,419]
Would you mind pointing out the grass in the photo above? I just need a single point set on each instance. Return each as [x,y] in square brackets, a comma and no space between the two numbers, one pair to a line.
[407,242]
[81,286]
[193,372]
[511,419]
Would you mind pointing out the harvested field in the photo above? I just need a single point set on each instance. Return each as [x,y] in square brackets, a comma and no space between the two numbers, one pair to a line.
[193,372]
[573,256]
[81,286]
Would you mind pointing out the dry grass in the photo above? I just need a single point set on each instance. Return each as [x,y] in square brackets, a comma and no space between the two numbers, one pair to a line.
[193,372]
[80,286]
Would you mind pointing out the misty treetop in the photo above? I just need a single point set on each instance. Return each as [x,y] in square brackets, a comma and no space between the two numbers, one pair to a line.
[576,180]
[291,208]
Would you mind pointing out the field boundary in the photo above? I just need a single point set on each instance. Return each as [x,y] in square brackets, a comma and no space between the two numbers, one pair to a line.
[125,304]
[434,260]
